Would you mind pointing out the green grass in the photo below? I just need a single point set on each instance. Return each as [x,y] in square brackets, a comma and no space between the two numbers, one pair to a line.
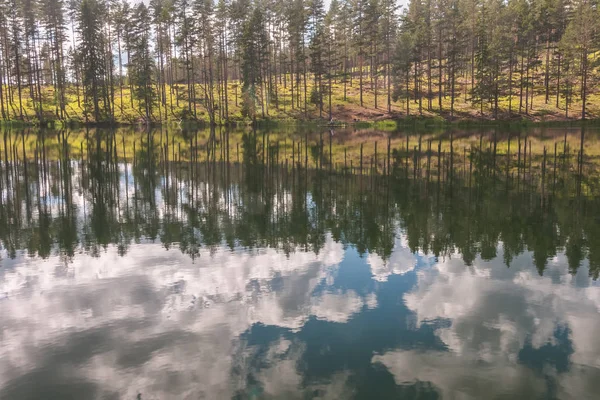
[346,108]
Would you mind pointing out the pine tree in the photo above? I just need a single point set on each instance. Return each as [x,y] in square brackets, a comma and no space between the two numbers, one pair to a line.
[53,13]
[454,43]
[141,66]
[5,56]
[317,50]
[254,42]
[482,89]
[334,51]
[403,59]
[372,34]
[91,57]
[387,32]
[14,48]
[343,42]
[160,10]
[415,28]
[580,41]
[360,41]
[206,43]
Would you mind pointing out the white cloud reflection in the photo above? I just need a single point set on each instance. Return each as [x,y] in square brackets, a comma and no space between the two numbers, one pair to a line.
[494,311]
[157,323]
[401,261]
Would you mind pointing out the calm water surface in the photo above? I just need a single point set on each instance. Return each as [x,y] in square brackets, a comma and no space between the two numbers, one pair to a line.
[150,279]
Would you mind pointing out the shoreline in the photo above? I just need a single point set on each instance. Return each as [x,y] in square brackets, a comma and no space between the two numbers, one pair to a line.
[383,123]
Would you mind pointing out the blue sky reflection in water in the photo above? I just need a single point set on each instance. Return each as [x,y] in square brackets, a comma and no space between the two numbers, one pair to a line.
[118,316]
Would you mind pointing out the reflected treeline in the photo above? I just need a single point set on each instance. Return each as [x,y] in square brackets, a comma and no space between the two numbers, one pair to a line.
[356,150]
[447,203]
[510,161]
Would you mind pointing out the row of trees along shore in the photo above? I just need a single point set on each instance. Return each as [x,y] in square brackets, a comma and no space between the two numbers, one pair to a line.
[221,60]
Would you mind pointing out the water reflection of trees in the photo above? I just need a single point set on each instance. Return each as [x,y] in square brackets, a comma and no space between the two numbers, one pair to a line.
[67,205]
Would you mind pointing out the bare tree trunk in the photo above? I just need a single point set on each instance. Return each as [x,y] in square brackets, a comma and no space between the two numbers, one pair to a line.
[521,85]
[440,74]
[510,81]
[584,77]
[360,76]
[558,82]
[547,72]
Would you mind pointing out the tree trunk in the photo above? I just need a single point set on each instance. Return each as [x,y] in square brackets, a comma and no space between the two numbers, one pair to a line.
[360,76]
[440,75]
[547,72]
[510,79]
[558,82]
[584,77]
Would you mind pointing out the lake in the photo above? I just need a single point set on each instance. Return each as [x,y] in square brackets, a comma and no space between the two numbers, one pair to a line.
[300,263]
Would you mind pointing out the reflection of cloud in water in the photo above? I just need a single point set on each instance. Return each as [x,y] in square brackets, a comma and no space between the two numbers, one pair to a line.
[494,312]
[461,378]
[401,261]
[280,377]
[155,322]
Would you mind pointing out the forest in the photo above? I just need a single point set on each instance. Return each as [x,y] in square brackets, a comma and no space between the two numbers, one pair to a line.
[221,61]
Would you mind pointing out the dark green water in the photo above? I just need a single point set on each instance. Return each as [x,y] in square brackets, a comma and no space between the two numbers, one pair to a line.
[146,279]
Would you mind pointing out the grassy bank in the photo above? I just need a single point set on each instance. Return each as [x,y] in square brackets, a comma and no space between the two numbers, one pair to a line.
[278,108]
